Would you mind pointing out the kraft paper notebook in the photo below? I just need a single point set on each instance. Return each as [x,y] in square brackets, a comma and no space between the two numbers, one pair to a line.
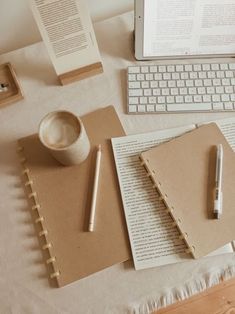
[183,173]
[60,201]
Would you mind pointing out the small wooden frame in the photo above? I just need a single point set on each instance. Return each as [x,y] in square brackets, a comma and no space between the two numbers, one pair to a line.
[8,78]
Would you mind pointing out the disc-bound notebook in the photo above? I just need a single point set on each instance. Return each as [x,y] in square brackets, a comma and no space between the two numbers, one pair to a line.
[60,201]
[183,172]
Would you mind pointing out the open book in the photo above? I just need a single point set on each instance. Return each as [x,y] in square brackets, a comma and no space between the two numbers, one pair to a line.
[155,240]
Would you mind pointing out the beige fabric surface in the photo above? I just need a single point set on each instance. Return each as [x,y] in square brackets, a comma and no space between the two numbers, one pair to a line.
[119,289]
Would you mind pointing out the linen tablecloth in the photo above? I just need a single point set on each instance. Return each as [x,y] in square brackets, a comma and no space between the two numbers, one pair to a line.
[119,289]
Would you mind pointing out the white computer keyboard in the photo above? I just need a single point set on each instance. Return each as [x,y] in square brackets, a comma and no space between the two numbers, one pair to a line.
[206,87]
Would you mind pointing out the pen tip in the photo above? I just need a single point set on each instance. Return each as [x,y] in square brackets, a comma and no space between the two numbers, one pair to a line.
[99,147]
[216,215]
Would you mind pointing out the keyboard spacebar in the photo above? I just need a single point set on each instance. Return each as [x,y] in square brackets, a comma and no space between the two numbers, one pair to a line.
[189,107]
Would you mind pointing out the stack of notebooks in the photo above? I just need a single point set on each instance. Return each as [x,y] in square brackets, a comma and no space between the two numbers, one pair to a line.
[167,182]
[167,211]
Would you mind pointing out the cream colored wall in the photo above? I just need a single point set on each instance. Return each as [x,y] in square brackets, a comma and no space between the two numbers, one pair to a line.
[18,28]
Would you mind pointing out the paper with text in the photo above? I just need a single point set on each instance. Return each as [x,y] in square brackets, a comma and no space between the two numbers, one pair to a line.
[189,27]
[154,240]
[68,34]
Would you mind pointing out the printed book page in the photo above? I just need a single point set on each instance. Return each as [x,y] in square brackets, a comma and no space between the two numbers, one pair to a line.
[67,31]
[153,237]
[154,240]
[189,27]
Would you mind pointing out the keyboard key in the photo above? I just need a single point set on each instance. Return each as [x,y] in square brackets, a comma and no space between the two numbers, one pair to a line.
[225,97]
[225,82]
[143,100]
[216,98]
[197,98]
[135,92]
[144,69]
[215,66]
[219,89]
[201,90]
[161,100]
[134,84]
[192,90]
[134,70]
[166,76]
[189,107]
[206,98]
[140,77]
[133,100]
[141,108]
[145,84]
[202,75]
[162,68]
[171,68]
[188,99]
[158,76]
[210,90]
[174,91]
[179,99]
[207,82]
[160,108]
[188,67]
[223,66]
[165,91]
[153,69]
[152,100]
[150,108]
[211,74]
[163,84]
[180,83]
[171,83]
[147,92]
[206,67]
[175,76]
[189,83]
[218,106]
[132,109]
[179,68]
[229,74]
[149,77]
[197,67]
[228,89]
[228,106]
[183,91]
[156,92]
[198,83]
[154,84]
[170,99]
[131,77]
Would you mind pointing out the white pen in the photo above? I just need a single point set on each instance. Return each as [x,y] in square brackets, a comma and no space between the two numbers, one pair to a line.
[95,189]
[218,183]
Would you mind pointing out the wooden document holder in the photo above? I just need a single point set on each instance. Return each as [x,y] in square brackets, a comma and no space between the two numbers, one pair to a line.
[81,73]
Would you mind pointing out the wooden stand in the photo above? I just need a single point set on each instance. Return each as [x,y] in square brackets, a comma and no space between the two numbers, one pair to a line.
[8,78]
[81,73]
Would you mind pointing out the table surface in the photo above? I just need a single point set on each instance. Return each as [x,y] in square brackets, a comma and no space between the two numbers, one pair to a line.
[118,289]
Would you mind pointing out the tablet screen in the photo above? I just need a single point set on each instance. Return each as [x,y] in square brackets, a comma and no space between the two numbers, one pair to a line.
[188,27]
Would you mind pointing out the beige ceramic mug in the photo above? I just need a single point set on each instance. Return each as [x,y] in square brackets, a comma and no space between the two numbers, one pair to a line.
[64,135]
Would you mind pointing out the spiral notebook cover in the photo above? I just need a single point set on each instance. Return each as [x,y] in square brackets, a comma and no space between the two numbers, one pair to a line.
[60,197]
[183,171]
